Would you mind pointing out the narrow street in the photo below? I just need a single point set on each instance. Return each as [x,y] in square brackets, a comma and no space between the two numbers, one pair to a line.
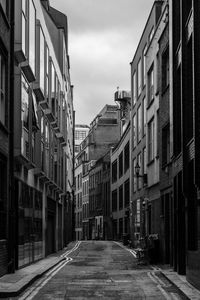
[102,270]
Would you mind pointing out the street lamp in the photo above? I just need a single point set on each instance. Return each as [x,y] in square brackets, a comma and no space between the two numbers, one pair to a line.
[137,173]
[137,170]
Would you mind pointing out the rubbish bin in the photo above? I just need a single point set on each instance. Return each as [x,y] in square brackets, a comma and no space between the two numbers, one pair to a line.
[126,238]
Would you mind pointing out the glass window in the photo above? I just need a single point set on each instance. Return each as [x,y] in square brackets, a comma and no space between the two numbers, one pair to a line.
[151,140]
[42,60]
[80,135]
[121,197]
[126,157]
[144,116]
[32,24]
[144,161]
[139,74]
[139,179]
[47,148]
[25,103]
[134,87]
[165,69]
[120,164]
[151,84]
[25,117]
[134,175]
[134,131]
[139,123]
[24,26]
[47,73]
[144,64]
[2,90]
[126,193]
[114,171]
[151,34]
[137,218]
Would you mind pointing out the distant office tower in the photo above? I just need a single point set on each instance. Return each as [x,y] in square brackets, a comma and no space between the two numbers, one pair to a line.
[81,131]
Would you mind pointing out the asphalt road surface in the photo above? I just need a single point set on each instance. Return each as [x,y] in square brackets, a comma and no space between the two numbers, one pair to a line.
[102,270]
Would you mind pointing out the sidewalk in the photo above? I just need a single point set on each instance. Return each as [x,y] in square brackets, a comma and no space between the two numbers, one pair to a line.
[11,285]
[180,282]
[177,280]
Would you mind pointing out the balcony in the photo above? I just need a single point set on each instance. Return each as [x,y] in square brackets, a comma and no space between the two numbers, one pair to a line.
[48,113]
[60,137]
[37,172]
[38,91]
[28,71]
[44,178]
[44,104]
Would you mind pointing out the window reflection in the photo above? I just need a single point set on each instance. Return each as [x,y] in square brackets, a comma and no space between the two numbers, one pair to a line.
[32,18]
[24,25]
[25,117]
[29,225]
[41,60]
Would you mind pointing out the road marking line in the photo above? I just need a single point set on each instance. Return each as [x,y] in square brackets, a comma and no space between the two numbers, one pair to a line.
[73,249]
[159,286]
[129,250]
[32,292]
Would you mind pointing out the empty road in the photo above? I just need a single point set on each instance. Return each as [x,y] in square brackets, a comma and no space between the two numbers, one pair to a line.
[102,270]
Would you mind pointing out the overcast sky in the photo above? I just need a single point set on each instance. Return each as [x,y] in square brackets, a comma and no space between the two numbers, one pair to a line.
[103,36]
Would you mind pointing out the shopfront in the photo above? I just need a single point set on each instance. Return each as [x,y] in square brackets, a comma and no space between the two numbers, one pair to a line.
[29,225]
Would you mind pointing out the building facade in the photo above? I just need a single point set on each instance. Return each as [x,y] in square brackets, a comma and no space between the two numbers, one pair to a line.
[165,168]
[6,134]
[184,122]
[78,201]
[81,131]
[156,93]
[104,133]
[43,136]
[140,83]
[120,171]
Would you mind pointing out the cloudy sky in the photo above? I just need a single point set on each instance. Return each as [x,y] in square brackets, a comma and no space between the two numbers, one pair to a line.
[103,36]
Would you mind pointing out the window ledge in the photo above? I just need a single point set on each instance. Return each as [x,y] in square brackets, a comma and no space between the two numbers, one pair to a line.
[150,103]
[165,89]
[151,162]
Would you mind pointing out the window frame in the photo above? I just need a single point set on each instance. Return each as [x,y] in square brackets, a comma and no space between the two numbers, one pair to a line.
[151,140]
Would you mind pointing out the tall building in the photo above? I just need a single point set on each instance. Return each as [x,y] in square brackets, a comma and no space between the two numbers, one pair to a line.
[156,122]
[81,131]
[104,133]
[164,214]
[142,97]
[6,134]
[120,171]
[185,139]
[43,132]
